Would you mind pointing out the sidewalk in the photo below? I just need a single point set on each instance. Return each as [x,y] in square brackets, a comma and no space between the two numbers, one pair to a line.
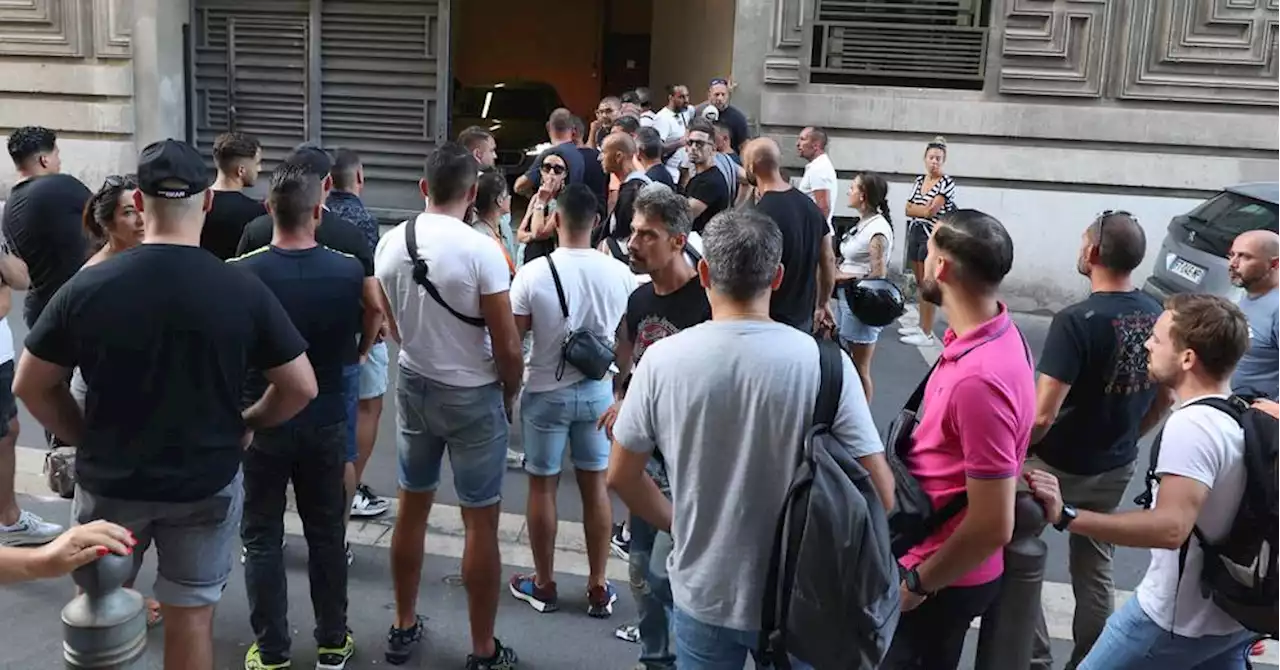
[566,640]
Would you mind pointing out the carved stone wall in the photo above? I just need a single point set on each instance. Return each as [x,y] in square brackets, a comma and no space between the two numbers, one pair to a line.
[1215,51]
[784,64]
[65,28]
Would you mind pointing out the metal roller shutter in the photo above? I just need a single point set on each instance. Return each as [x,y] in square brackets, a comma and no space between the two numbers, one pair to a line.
[379,92]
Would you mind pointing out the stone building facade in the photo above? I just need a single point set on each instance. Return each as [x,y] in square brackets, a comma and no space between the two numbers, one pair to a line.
[1055,110]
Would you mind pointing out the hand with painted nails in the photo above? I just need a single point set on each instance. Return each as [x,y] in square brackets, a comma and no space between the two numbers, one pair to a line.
[76,547]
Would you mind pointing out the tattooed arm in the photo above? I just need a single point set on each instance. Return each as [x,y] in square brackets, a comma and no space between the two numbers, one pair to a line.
[879,259]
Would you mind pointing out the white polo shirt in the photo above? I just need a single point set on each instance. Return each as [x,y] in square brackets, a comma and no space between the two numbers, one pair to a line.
[820,175]
[464,265]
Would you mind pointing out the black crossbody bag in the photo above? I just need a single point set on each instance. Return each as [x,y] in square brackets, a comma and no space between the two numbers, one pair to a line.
[590,353]
[421,279]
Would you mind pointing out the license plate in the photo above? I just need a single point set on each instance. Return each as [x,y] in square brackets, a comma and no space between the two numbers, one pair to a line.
[1187,270]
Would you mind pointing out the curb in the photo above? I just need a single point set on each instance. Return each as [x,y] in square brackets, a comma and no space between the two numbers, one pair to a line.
[445,531]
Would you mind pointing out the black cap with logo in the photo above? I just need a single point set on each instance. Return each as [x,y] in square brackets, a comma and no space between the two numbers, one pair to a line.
[172,170]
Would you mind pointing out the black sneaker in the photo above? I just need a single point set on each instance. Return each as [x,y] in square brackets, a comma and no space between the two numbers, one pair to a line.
[503,659]
[401,641]
[620,541]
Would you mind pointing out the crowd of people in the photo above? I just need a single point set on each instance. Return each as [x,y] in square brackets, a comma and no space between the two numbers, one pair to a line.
[658,315]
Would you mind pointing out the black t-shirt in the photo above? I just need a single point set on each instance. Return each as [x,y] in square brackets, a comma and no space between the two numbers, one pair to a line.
[43,225]
[1097,346]
[164,335]
[736,121]
[320,290]
[709,188]
[651,317]
[226,221]
[620,220]
[803,228]
[594,177]
[334,232]
[659,173]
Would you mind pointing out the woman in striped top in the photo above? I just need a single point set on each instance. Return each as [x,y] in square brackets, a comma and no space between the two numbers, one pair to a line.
[933,195]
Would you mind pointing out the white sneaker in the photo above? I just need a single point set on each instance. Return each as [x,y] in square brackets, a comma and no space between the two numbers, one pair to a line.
[365,504]
[29,530]
[909,329]
[515,459]
[919,339]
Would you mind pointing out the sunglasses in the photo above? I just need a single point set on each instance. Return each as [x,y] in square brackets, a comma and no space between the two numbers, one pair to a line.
[698,144]
[552,169]
[1102,222]
[118,181]
[719,82]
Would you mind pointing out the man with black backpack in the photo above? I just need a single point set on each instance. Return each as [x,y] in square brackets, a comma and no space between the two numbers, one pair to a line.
[729,404]
[1211,587]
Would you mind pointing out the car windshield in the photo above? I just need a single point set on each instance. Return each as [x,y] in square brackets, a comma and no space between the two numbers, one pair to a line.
[1220,219]
[499,102]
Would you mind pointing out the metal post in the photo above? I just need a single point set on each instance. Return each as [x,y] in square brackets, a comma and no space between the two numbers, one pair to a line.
[1007,636]
[105,627]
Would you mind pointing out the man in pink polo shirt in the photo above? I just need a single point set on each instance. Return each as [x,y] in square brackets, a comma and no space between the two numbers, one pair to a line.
[978,411]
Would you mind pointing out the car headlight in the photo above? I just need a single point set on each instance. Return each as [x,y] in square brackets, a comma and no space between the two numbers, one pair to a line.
[538,149]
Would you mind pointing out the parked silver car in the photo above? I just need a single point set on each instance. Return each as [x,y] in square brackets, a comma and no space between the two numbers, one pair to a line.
[1193,256]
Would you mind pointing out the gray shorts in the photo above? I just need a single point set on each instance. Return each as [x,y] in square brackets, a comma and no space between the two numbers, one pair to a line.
[194,540]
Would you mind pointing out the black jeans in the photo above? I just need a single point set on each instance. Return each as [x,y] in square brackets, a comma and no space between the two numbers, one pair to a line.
[931,637]
[313,457]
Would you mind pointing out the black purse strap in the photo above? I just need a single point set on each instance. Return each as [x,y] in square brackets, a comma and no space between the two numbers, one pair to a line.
[564,309]
[420,276]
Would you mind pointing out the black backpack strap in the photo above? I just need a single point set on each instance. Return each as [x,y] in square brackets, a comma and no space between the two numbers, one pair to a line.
[831,384]
[917,396]
[420,275]
[1233,407]
[615,248]
[692,253]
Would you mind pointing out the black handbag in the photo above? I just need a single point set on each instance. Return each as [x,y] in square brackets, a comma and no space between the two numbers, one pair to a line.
[590,353]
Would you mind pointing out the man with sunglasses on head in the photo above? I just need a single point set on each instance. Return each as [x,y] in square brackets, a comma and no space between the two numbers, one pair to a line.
[1094,401]
[718,94]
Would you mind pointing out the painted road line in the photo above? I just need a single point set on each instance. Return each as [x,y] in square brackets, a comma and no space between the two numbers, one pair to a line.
[445,537]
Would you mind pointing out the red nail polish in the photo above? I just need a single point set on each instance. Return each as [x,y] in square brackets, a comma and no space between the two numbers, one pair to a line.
[102,551]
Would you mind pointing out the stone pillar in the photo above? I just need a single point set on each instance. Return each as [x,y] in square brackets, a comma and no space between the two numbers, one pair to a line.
[768,49]
[159,82]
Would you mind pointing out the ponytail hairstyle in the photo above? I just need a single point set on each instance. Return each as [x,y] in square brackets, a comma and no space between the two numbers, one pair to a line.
[101,208]
[940,143]
[489,190]
[875,190]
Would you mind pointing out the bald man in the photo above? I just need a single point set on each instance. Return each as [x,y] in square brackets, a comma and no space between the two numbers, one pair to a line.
[1252,264]
[618,155]
[808,257]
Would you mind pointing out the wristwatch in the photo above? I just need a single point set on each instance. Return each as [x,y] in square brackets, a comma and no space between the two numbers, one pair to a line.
[1068,515]
[912,579]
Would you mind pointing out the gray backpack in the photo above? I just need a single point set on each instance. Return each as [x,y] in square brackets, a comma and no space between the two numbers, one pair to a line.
[831,595]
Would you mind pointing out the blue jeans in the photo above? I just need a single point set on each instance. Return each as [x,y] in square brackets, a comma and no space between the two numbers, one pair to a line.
[701,646]
[469,422]
[1132,641]
[651,589]
[550,419]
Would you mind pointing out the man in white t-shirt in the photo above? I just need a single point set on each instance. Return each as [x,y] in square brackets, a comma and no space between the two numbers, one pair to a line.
[460,368]
[561,404]
[819,181]
[1170,623]
[672,123]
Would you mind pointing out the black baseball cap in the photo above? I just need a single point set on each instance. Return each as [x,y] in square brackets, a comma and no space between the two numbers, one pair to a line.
[172,170]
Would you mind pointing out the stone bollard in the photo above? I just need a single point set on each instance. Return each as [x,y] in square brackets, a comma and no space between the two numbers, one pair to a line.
[105,627]
[1007,637]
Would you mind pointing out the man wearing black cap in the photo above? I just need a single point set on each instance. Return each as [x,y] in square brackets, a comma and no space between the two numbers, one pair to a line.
[164,334]
[338,234]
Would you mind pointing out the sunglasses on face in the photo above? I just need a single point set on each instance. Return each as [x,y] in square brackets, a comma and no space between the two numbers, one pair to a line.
[552,169]
[698,144]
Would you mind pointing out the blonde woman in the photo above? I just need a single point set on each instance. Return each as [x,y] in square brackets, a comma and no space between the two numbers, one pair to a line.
[932,195]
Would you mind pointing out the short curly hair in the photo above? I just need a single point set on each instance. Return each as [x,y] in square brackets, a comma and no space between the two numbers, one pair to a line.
[29,141]
[233,146]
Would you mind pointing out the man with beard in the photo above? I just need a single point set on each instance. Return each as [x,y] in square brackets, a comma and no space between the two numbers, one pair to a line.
[718,98]
[1253,267]
[1094,401]
[672,122]
[971,438]
[238,157]
[673,301]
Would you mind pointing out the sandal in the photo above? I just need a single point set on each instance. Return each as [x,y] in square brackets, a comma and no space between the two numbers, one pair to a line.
[154,616]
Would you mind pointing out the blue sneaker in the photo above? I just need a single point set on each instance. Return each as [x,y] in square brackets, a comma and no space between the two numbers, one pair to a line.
[600,600]
[541,598]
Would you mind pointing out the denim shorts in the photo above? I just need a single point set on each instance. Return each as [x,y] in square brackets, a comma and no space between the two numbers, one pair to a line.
[194,540]
[853,331]
[550,419]
[373,373]
[1133,641]
[351,394]
[469,423]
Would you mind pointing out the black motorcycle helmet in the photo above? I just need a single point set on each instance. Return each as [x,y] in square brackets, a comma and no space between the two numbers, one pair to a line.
[876,302]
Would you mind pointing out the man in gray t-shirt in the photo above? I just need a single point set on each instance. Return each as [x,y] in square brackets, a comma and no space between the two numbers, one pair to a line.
[1253,266]
[728,403]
